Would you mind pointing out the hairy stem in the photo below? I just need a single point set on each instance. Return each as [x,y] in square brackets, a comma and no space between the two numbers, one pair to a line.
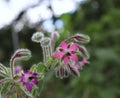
[12,65]
[3,80]
[17,94]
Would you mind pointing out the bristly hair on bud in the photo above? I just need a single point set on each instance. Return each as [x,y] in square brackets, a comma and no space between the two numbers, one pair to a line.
[20,54]
[23,54]
[45,41]
[83,51]
[37,37]
[46,47]
[54,36]
[81,38]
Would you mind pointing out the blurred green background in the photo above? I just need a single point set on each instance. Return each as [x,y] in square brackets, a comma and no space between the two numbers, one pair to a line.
[100,19]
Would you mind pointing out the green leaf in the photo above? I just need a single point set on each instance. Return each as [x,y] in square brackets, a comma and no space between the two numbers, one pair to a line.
[33,68]
[5,87]
[3,68]
[3,74]
[40,68]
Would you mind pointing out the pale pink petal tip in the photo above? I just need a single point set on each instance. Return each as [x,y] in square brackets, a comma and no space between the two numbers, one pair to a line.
[84,61]
[58,54]
[65,60]
[73,47]
[64,45]
[74,57]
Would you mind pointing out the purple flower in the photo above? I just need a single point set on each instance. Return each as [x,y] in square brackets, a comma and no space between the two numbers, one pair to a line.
[29,79]
[66,52]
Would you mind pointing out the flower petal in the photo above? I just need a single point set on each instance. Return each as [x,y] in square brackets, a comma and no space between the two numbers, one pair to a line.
[65,60]
[64,45]
[84,60]
[29,86]
[35,81]
[74,57]
[58,54]
[73,47]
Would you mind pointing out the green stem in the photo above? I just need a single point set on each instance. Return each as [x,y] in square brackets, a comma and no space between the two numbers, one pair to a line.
[17,94]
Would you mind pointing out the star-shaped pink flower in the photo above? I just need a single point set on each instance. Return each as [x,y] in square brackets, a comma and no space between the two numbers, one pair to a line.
[66,52]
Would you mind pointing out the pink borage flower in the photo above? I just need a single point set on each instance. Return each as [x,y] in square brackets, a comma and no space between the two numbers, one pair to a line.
[69,63]
[72,68]
[75,66]
[66,52]
[29,79]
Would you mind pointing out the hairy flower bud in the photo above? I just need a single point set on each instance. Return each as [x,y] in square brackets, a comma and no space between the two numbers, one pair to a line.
[83,52]
[37,37]
[24,54]
[47,49]
[81,38]
[55,36]
[45,41]
[20,54]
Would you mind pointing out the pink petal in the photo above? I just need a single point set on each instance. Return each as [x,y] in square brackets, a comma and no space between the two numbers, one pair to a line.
[64,45]
[58,55]
[74,57]
[73,47]
[65,60]
[84,60]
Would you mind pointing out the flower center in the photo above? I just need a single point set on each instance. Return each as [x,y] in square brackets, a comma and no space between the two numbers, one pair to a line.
[68,54]
[30,78]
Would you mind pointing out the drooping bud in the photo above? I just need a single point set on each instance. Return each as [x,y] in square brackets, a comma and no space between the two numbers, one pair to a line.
[83,52]
[81,38]
[37,37]
[20,54]
[61,72]
[23,54]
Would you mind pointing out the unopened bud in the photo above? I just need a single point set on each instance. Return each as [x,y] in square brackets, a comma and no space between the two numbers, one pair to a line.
[22,54]
[83,52]
[81,38]
[45,41]
[55,35]
[37,37]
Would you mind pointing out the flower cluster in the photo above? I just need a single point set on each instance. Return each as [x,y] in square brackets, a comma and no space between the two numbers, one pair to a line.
[67,59]
[69,64]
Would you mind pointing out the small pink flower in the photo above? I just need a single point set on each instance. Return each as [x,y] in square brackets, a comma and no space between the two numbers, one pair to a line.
[29,79]
[66,52]
[75,66]
[17,69]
